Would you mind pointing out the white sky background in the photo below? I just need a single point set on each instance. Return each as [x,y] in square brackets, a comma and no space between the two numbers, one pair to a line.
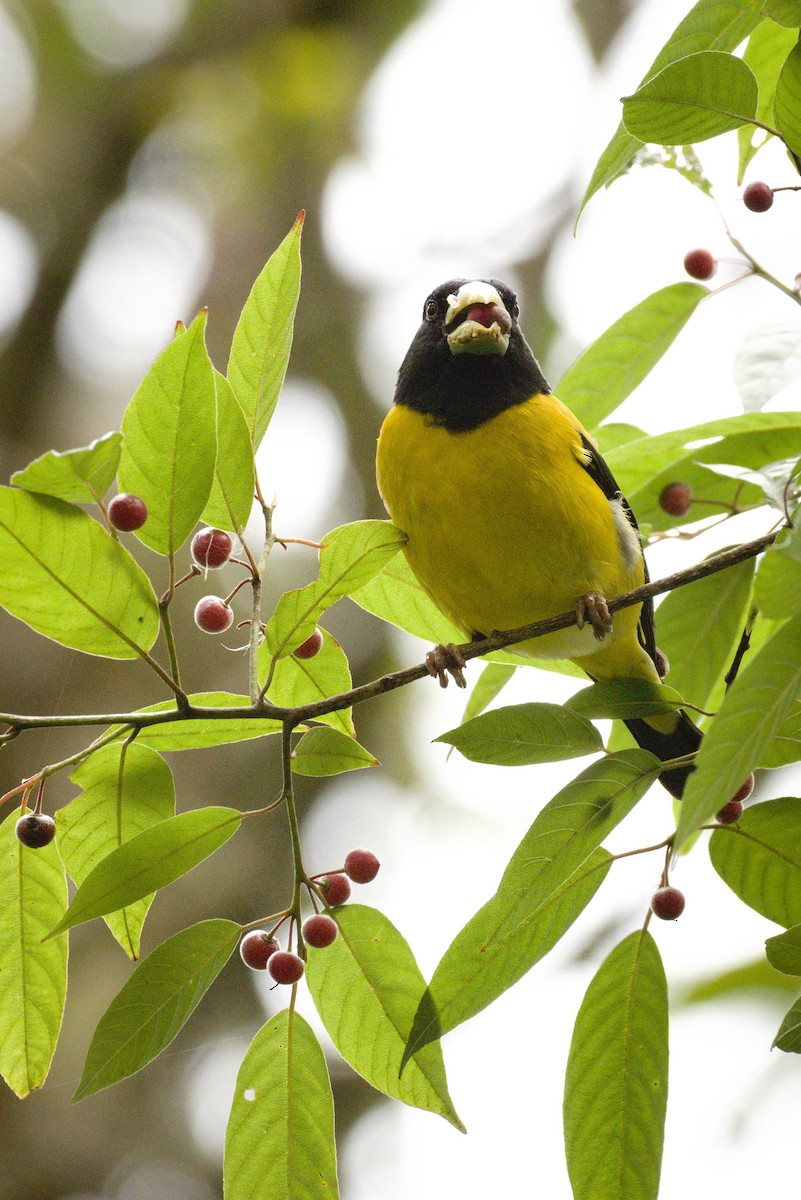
[477,122]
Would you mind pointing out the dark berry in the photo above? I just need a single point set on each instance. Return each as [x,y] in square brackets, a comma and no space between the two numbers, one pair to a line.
[313,645]
[335,889]
[730,813]
[700,264]
[213,615]
[285,967]
[361,866]
[758,197]
[745,789]
[320,930]
[667,903]
[211,548]
[676,499]
[256,948]
[35,830]
[127,512]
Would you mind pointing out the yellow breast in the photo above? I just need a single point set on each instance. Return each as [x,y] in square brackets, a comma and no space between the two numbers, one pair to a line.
[505,525]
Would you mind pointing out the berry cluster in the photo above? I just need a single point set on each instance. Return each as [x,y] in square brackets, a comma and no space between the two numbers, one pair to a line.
[260,950]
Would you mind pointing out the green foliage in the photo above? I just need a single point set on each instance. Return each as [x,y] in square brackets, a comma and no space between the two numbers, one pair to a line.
[68,579]
[759,858]
[299,681]
[33,976]
[231,497]
[788,101]
[784,951]
[149,861]
[698,97]
[169,436]
[367,987]
[617,1077]
[263,336]
[280,1137]
[126,788]
[77,476]
[615,363]
[329,752]
[768,47]
[524,733]
[156,1002]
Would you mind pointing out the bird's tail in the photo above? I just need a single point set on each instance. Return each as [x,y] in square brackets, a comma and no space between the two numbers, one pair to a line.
[684,738]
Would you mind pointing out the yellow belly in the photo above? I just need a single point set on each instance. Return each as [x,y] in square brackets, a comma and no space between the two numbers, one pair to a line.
[505,525]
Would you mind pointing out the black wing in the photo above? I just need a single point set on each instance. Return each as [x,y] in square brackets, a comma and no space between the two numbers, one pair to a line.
[596,467]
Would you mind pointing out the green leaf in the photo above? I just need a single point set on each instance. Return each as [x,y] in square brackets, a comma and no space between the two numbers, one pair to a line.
[33,976]
[783,12]
[149,861]
[366,987]
[524,733]
[784,951]
[767,360]
[617,1077]
[643,468]
[709,25]
[768,47]
[752,978]
[710,612]
[69,580]
[759,858]
[263,336]
[126,788]
[551,877]
[233,488]
[777,588]
[787,105]
[196,733]
[350,556]
[789,1036]
[329,752]
[170,443]
[751,714]
[299,681]
[610,369]
[79,476]
[785,747]
[155,1003]
[624,699]
[696,98]
[279,1144]
[490,683]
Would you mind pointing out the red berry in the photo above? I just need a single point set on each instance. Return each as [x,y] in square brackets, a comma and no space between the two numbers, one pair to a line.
[676,499]
[758,197]
[127,512]
[361,866]
[285,967]
[35,830]
[213,615]
[700,264]
[211,548]
[745,789]
[256,948]
[667,903]
[335,889]
[313,645]
[320,930]
[730,813]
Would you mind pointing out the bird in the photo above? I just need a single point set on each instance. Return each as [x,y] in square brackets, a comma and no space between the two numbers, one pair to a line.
[510,512]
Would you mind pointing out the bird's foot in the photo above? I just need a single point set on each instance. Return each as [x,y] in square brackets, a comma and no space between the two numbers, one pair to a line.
[592,609]
[443,661]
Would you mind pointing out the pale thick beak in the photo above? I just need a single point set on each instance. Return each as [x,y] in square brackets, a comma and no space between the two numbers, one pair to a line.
[478,320]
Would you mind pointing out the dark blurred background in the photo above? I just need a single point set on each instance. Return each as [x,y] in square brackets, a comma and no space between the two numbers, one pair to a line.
[152,155]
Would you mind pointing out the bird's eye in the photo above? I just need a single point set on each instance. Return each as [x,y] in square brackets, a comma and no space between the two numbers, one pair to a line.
[515,312]
[431,310]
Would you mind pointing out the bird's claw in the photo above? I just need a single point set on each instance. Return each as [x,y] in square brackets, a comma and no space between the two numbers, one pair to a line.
[592,609]
[443,661]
